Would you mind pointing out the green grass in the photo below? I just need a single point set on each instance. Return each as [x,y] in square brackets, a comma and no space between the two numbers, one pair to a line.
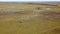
[35,25]
[23,7]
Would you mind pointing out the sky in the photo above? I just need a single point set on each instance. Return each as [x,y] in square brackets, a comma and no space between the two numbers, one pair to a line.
[25,0]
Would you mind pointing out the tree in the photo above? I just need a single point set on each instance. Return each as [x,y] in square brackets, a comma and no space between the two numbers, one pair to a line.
[38,8]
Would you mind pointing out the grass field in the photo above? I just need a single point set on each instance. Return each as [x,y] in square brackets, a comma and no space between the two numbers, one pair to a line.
[46,22]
